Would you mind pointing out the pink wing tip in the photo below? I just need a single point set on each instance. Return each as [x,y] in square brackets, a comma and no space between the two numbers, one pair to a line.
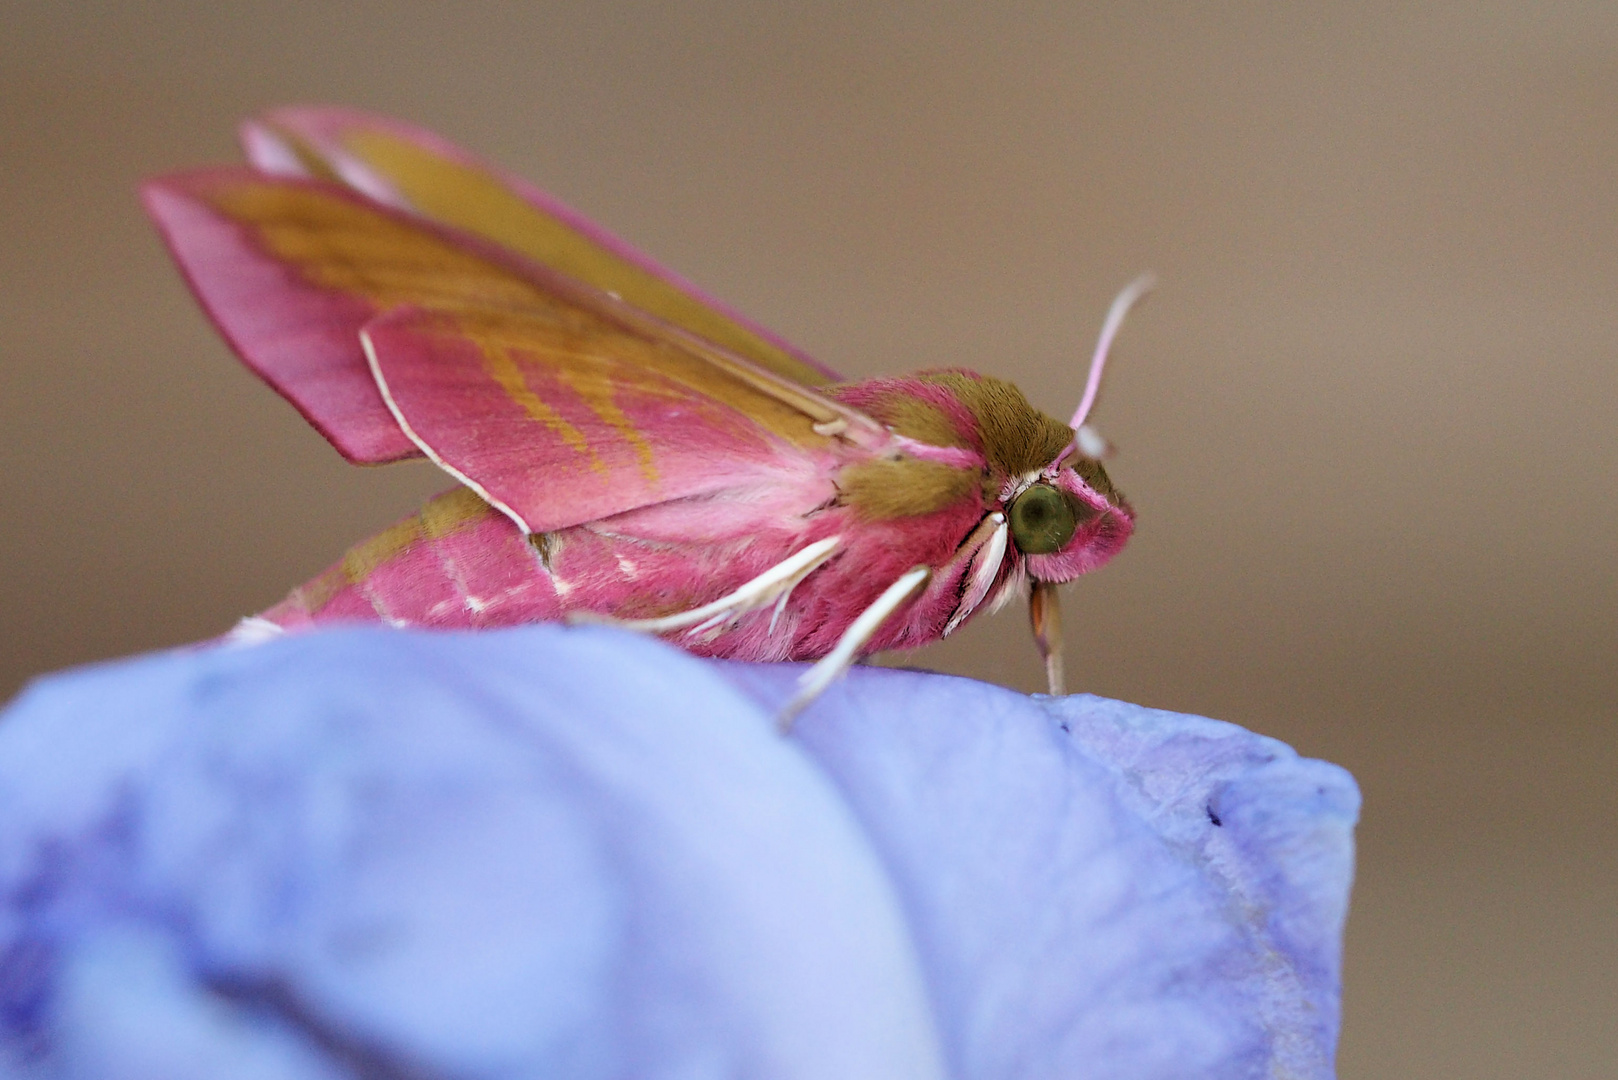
[304,345]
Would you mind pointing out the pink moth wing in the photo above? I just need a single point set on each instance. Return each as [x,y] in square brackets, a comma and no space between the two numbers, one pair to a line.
[307,347]
[302,340]
[557,402]
[413,169]
[555,423]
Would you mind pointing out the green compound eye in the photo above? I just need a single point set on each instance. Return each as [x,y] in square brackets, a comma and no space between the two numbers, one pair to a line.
[1042,520]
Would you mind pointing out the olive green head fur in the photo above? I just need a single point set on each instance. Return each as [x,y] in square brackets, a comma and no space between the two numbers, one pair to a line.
[1016,437]
[956,409]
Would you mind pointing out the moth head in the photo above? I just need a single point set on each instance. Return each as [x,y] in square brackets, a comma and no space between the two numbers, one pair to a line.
[1067,520]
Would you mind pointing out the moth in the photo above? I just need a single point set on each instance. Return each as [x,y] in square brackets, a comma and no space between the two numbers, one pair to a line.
[626,448]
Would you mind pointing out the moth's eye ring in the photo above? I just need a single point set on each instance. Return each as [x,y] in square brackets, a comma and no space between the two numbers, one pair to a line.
[1043,519]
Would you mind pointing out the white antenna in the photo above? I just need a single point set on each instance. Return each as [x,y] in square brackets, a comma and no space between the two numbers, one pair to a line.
[1109,329]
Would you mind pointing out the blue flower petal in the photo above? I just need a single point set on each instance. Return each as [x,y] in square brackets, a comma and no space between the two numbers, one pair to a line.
[549,852]
[525,854]
[1098,889]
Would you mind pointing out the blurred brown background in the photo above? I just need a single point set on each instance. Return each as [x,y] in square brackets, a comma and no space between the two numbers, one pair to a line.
[1368,420]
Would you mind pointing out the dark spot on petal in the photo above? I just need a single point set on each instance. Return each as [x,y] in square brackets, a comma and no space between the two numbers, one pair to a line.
[1213,817]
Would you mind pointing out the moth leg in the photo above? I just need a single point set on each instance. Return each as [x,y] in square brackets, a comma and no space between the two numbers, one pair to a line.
[1045,612]
[827,669]
[772,585]
[987,548]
